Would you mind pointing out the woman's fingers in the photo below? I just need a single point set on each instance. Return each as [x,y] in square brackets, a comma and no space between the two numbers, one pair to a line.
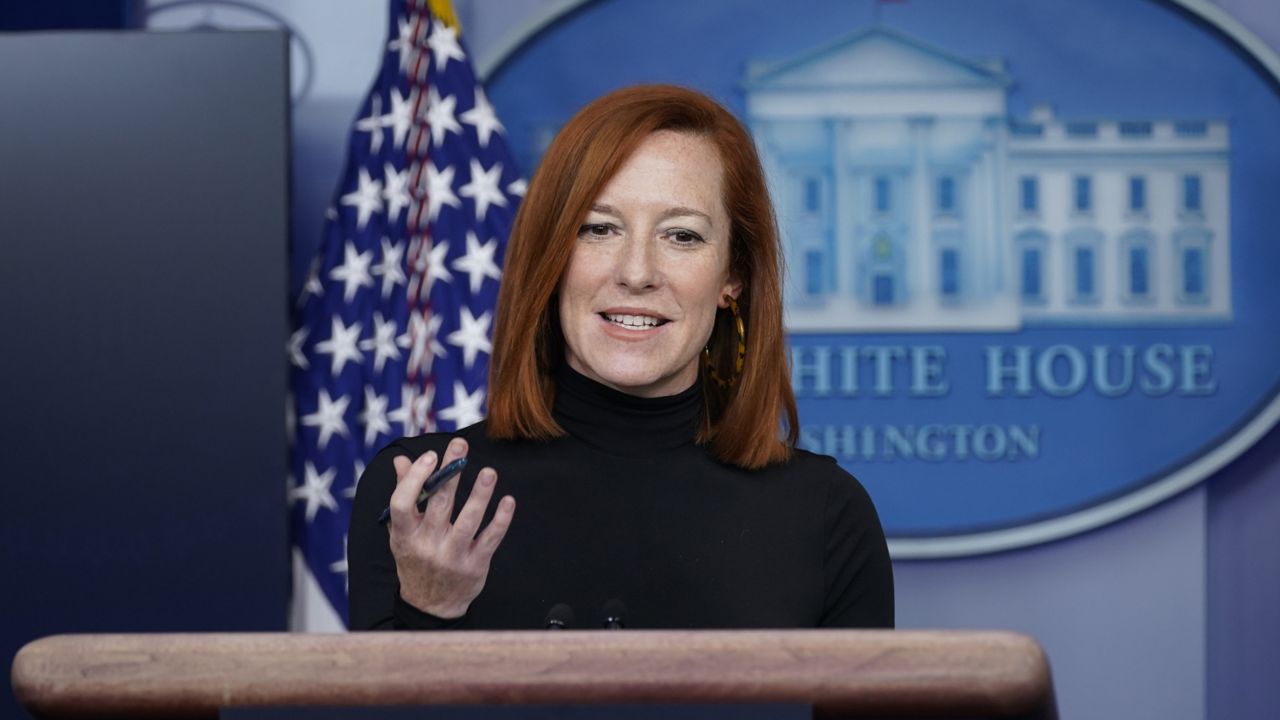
[493,533]
[412,476]
[409,479]
[442,566]
[440,505]
[468,520]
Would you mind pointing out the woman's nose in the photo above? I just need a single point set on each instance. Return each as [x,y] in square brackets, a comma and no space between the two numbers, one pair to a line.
[637,266]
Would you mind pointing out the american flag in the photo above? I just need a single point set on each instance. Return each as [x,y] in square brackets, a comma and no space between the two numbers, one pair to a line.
[391,330]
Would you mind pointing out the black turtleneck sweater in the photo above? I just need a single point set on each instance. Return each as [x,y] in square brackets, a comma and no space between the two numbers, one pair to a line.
[626,507]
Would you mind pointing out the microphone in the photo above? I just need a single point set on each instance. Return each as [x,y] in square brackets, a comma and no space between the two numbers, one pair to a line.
[559,617]
[615,614]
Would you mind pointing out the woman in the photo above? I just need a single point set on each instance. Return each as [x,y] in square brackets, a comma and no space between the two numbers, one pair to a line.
[637,387]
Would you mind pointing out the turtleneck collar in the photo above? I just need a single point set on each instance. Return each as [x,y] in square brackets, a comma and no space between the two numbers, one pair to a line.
[621,424]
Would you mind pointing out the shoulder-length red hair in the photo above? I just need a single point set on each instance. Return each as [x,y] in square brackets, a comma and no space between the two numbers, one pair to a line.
[742,422]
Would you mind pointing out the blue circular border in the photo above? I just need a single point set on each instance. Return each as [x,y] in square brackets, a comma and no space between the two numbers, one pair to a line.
[1151,491]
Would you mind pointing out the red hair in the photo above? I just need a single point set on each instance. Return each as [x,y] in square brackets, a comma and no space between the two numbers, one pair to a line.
[741,423]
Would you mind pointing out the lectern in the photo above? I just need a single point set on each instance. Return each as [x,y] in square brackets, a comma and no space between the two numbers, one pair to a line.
[840,673]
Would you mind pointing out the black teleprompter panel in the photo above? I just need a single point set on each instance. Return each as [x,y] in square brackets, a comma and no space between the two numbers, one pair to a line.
[143,316]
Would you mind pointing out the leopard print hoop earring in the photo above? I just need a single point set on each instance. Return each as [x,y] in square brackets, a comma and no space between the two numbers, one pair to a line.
[741,357]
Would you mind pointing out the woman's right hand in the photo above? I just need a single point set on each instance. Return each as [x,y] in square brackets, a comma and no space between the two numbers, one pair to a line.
[443,566]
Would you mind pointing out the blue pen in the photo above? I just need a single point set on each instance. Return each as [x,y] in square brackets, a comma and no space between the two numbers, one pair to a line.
[433,483]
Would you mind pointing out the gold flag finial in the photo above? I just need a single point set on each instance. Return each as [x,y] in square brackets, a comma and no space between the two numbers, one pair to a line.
[443,11]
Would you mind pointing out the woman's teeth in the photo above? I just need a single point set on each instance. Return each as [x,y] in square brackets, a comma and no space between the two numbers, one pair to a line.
[638,322]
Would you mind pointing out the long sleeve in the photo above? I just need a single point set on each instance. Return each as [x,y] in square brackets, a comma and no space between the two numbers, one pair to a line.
[857,572]
[626,507]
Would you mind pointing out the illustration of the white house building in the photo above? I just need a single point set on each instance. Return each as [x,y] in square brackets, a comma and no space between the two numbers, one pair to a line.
[909,198]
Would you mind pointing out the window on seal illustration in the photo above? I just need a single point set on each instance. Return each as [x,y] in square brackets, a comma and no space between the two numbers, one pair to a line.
[1083,249]
[882,289]
[1137,194]
[1032,289]
[883,194]
[1191,199]
[1028,195]
[1136,253]
[1193,273]
[946,199]
[882,285]
[1084,259]
[949,269]
[1191,129]
[813,272]
[1082,198]
[1135,129]
[1031,246]
[1192,253]
[812,195]
[1139,272]
[1082,129]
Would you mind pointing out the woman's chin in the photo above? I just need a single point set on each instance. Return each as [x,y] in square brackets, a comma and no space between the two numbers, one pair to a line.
[648,383]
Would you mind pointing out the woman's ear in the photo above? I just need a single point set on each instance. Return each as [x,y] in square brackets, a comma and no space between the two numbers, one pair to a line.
[732,288]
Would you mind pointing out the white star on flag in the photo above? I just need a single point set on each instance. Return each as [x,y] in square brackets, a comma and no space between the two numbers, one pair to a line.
[424,332]
[478,262]
[465,409]
[483,188]
[391,269]
[350,492]
[403,44]
[440,190]
[444,44]
[422,409]
[367,198]
[482,118]
[313,287]
[440,116]
[341,344]
[400,119]
[403,414]
[373,124]
[417,333]
[353,273]
[374,416]
[315,491]
[328,417]
[436,269]
[518,187]
[383,342]
[472,336]
[431,332]
[296,340]
[397,190]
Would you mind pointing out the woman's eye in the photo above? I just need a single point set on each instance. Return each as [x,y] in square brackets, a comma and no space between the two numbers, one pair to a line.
[597,230]
[685,237]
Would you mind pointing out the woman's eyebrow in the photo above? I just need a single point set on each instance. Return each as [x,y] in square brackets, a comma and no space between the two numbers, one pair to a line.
[605,210]
[684,212]
[678,211]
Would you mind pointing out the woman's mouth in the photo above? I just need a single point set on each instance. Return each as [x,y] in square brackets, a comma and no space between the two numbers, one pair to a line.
[633,322]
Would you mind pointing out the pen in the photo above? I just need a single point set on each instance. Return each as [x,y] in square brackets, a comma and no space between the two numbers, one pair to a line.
[433,483]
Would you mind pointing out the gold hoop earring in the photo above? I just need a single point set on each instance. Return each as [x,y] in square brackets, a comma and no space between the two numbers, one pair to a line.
[741,357]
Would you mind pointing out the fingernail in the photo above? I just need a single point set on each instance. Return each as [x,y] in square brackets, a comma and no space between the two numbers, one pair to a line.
[487,477]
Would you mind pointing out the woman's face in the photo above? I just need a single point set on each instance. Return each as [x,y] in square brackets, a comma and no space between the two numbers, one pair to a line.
[649,268]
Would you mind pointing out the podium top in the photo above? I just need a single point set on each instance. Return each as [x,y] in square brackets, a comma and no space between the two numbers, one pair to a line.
[842,673]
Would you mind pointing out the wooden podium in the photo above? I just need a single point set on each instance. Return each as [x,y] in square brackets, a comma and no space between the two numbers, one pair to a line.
[840,673]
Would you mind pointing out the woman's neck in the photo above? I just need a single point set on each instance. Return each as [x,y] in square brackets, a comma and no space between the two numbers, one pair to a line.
[622,424]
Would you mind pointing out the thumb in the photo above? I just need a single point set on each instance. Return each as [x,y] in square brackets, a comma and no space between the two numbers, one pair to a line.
[402,465]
